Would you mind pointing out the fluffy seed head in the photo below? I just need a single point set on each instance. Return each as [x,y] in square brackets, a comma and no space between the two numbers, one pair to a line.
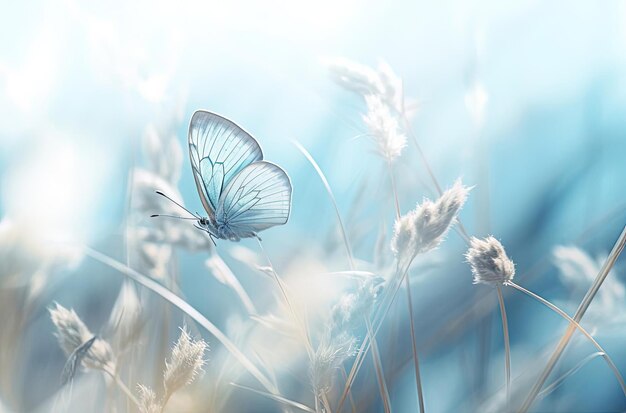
[354,76]
[383,127]
[148,402]
[328,357]
[489,262]
[424,228]
[72,333]
[348,313]
[186,362]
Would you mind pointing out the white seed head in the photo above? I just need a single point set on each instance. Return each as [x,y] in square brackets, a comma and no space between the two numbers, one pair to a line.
[383,127]
[186,362]
[127,319]
[365,80]
[391,86]
[348,313]
[72,333]
[489,262]
[424,228]
[148,402]
[163,153]
[354,76]
[328,357]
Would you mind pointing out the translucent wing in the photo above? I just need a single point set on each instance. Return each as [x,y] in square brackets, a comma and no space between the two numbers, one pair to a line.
[218,149]
[257,198]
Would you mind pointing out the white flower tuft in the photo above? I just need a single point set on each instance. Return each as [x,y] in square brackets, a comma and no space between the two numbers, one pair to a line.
[365,81]
[489,262]
[383,127]
[186,362]
[328,357]
[392,89]
[423,228]
[148,402]
[127,320]
[72,334]
[348,313]
[355,77]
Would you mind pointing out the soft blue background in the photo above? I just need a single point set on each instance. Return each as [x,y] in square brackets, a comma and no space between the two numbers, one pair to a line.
[549,160]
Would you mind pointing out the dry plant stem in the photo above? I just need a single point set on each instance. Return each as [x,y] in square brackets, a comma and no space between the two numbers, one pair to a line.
[409,129]
[375,355]
[365,345]
[279,399]
[556,383]
[394,189]
[380,375]
[344,376]
[582,309]
[332,198]
[294,315]
[507,346]
[186,308]
[418,379]
[122,386]
[326,403]
[563,314]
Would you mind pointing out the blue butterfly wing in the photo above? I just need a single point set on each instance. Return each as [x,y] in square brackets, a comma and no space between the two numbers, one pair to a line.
[257,198]
[219,150]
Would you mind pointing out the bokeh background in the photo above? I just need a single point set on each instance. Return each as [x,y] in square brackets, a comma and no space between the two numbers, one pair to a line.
[523,100]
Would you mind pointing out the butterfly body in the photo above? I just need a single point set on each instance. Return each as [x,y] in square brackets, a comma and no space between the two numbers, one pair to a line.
[241,193]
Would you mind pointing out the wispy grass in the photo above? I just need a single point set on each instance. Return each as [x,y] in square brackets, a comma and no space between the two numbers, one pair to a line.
[618,247]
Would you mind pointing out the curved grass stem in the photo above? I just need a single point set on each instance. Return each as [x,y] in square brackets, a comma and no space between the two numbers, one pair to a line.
[563,314]
[580,312]
[186,308]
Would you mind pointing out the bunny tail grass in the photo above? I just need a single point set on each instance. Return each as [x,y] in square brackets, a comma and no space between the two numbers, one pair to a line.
[582,309]
[187,309]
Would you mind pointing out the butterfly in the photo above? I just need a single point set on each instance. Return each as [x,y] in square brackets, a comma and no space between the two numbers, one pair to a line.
[241,193]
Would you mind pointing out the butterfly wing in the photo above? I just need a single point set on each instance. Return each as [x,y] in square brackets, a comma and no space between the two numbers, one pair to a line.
[218,149]
[257,198]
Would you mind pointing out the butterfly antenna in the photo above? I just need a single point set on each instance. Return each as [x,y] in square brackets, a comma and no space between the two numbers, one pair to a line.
[172,216]
[190,213]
